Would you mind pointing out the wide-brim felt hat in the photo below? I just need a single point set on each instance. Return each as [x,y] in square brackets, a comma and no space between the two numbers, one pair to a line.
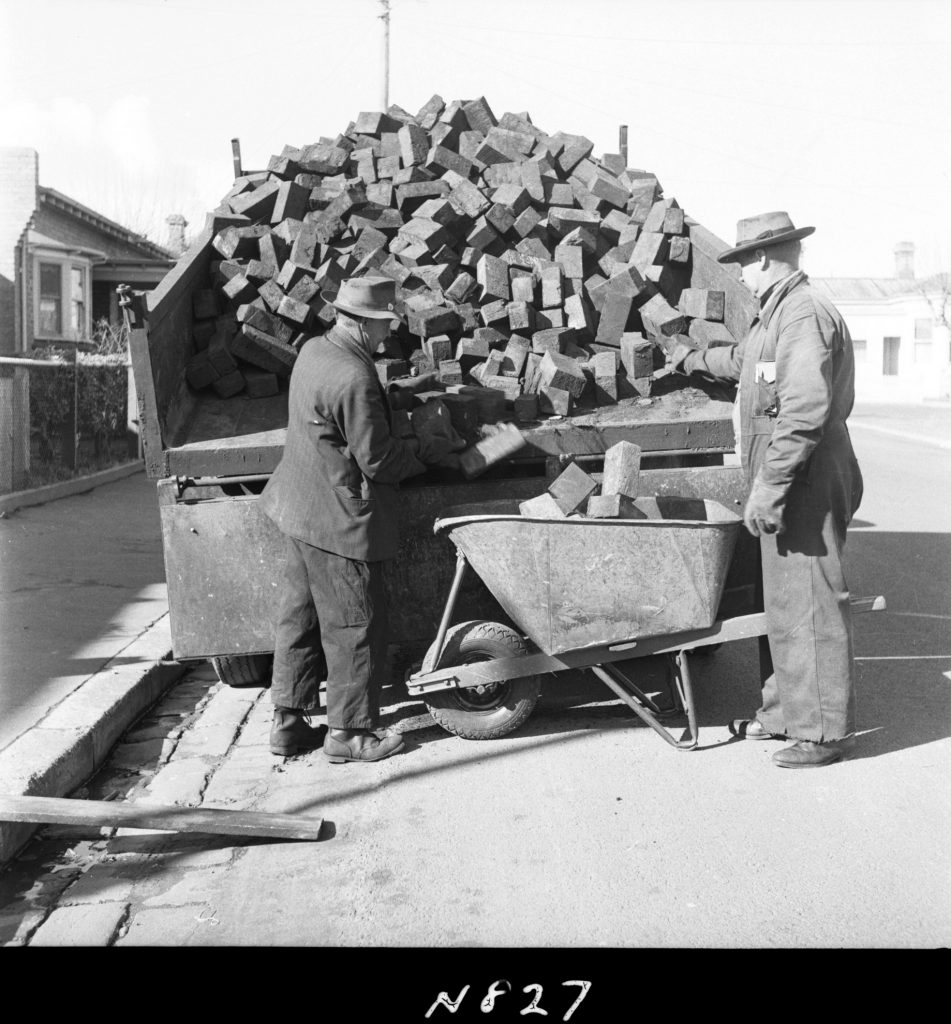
[373,296]
[761,231]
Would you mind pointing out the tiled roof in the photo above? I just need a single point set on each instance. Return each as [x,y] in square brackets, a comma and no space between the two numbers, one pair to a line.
[104,224]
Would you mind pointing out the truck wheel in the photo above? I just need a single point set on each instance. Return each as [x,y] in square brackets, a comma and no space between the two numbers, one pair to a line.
[484,712]
[244,669]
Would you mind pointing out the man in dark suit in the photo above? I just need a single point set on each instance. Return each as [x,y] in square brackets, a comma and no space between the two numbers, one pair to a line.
[334,497]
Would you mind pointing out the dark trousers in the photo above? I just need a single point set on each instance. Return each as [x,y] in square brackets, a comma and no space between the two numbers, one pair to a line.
[331,624]
[809,691]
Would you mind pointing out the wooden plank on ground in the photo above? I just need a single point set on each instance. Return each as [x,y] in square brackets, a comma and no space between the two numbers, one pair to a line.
[112,814]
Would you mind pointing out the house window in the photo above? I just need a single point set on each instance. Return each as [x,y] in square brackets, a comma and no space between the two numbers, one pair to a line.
[860,348]
[923,328]
[50,318]
[62,299]
[77,300]
[890,349]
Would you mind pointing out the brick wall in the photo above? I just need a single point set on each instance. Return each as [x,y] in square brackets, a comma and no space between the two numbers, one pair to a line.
[19,178]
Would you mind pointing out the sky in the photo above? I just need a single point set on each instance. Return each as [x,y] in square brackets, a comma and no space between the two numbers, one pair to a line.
[836,111]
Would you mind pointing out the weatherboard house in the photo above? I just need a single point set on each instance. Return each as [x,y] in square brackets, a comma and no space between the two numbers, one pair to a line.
[899,328]
[60,261]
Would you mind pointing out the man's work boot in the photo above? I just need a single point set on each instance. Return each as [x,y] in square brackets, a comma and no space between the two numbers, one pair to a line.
[361,745]
[806,754]
[290,733]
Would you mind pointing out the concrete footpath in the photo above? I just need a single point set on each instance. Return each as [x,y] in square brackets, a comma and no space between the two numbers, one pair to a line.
[83,627]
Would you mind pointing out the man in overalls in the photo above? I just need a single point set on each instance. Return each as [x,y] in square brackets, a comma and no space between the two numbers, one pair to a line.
[334,497]
[795,370]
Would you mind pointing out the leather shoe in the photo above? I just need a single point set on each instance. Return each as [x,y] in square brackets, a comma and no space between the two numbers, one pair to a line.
[752,729]
[290,733]
[362,747]
[806,754]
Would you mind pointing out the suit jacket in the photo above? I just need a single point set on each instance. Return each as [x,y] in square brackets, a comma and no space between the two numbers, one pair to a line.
[796,371]
[336,485]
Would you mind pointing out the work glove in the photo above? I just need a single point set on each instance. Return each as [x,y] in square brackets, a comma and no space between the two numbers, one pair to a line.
[438,439]
[439,451]
[764,509]
[678,356]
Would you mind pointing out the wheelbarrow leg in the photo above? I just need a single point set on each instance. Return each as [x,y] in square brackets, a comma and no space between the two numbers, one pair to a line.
[440,640]
[685,690]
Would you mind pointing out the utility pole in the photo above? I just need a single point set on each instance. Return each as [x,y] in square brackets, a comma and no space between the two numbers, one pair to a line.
[385,18]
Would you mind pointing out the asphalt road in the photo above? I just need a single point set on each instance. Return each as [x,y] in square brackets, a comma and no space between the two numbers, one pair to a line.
[582,830]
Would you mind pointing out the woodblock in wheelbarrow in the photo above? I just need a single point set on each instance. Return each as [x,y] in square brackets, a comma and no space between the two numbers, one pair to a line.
[577,583]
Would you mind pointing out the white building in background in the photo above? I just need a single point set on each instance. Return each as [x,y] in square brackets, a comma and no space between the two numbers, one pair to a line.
[898,328]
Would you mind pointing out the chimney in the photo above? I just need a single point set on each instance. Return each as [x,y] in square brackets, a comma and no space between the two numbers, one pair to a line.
[176,233]
[905,261]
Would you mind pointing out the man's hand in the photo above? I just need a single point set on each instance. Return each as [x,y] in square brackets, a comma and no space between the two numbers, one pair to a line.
[678,356]
[439,451]
[764,509]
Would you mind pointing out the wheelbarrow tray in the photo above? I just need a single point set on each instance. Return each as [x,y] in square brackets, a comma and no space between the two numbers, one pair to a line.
[576,583]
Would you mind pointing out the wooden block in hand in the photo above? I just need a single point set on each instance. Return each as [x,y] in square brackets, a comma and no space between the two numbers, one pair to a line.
[705,334]
[506,441]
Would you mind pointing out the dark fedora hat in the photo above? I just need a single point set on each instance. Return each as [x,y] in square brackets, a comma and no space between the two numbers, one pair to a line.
[373,296]
[763,230]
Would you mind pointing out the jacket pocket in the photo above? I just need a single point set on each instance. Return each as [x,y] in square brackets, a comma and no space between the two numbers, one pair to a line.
[762,425]
[353,501]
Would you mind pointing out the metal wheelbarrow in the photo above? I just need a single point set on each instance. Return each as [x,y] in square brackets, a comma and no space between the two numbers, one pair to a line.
[587,594]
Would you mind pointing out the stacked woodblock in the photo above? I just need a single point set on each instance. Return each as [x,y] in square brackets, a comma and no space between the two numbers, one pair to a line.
[576,493]
[533,278]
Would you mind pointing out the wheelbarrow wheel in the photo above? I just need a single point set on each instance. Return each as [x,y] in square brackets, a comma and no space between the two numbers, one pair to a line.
[482,713]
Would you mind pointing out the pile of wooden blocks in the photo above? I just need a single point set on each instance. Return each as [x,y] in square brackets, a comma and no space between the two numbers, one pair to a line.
[575,493]
[525,266]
